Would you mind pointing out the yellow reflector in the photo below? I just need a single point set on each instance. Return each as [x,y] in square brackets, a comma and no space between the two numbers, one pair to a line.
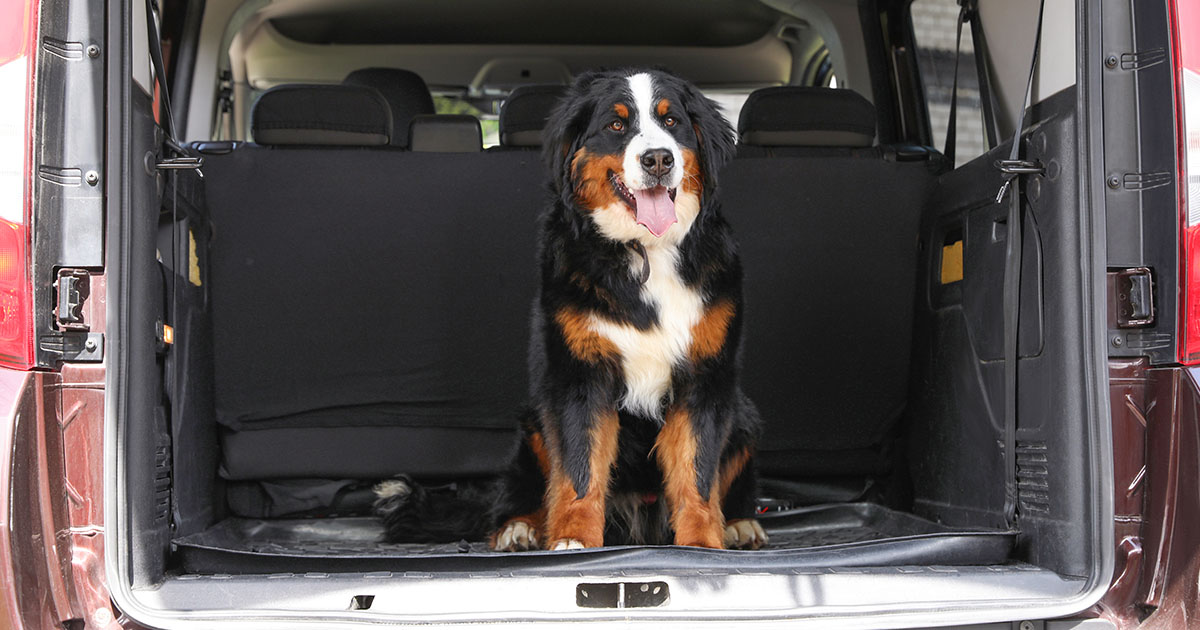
[168,335]
[193,260]
[952,262]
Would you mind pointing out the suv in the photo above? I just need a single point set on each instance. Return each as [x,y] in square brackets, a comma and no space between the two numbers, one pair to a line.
[257,256]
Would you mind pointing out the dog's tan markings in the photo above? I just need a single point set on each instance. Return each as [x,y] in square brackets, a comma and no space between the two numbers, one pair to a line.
[664,106]
[583,342]
[572,522]
[740,533]
[538,446]
[692,182]
[583,282]
[621,110]
[592,187]
[697,522]
[730,469]
[708,334]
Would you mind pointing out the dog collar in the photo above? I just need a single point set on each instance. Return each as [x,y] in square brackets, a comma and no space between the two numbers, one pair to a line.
[641,251]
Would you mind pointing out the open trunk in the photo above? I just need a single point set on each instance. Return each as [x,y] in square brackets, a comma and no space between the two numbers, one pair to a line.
[326,318]
[889,468]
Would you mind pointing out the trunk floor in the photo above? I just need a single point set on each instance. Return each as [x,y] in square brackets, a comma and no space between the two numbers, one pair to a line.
[847,534]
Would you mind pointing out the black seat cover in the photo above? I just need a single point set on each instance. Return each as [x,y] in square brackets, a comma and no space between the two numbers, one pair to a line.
[793,115]
[829,243]
[321,115]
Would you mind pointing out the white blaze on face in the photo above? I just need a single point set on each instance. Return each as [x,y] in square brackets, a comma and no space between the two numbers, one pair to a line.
[650,135]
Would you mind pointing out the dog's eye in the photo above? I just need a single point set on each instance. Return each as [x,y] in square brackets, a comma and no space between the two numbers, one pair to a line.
[670,121]
[616,125]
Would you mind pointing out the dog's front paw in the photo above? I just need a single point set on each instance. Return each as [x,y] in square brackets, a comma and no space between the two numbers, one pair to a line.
[516,535]
[566,544]
[744,533]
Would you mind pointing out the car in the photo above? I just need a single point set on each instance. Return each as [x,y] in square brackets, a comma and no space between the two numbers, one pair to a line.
[256,257]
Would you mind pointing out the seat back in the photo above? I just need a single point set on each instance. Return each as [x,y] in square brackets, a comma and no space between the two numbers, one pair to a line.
[829,244]
[370,310]
[406,94]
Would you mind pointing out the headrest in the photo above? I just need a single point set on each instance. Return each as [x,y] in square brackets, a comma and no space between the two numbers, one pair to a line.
[446,133]
[524,114]
[405,92]
[321,115]
[807,116]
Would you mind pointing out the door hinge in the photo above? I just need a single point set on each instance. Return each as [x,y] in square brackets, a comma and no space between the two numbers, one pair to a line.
[1131,297]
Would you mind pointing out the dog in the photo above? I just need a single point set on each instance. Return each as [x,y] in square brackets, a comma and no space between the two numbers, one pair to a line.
[638,431]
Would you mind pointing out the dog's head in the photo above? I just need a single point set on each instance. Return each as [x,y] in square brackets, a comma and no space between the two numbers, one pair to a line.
[637,152]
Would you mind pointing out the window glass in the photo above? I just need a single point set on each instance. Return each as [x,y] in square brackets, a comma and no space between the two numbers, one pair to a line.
[935,24]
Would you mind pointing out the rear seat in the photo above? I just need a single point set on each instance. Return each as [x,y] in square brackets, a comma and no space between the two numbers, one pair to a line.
[370,310]
[828,228]
[788,118]
[405,92]
[446,133]
[321,115]
[524,115]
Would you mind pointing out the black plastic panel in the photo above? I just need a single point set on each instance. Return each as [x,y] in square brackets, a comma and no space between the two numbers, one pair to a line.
[956,419]
[853,534]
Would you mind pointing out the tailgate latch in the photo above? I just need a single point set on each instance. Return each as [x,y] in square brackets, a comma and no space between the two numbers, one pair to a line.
[73,287]
[1132,297]
[74,339]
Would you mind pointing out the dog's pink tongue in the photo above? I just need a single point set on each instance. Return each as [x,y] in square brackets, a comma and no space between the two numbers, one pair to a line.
[655,209]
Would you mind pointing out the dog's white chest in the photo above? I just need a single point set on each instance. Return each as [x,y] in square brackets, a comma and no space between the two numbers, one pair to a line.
[648,356]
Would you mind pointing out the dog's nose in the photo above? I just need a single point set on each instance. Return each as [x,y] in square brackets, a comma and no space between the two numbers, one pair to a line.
[657,162]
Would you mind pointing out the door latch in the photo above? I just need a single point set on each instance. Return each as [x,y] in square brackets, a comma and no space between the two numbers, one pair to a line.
[72,287]
[1131,297]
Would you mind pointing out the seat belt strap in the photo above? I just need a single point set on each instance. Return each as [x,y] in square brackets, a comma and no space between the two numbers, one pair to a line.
[964,15]
[1013,168]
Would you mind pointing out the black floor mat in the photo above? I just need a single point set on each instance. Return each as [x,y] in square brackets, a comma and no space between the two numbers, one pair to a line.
[843,535]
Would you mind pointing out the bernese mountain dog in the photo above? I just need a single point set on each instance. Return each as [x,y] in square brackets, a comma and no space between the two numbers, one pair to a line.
[638,431]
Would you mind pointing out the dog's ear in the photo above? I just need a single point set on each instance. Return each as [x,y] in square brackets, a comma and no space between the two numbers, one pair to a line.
[713,133]
[565,128]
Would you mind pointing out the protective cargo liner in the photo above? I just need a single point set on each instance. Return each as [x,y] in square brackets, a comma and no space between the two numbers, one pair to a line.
[842,535]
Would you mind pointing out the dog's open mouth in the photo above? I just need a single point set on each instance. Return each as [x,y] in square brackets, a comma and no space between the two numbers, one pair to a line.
[652,207]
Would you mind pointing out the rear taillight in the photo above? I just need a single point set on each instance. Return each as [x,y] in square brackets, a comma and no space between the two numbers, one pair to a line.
[18,46]
[1185,40]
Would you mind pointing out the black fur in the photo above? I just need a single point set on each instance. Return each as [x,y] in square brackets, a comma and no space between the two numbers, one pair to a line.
[583,270]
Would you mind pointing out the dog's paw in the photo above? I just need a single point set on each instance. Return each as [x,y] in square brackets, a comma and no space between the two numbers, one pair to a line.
[516,535]
[566,544]
[744,533]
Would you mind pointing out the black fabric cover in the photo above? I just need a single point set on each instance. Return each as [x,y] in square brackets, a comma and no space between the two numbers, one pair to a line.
[371,308]
[446,133]
[829,246]
[321,115]
[358,289]
[405,92]
[524,114]
[807,116]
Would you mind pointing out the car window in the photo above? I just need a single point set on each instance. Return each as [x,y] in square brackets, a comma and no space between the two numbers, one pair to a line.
[935,25]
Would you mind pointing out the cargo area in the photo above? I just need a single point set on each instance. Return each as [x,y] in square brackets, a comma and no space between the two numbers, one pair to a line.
[348,289]
[350,313]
